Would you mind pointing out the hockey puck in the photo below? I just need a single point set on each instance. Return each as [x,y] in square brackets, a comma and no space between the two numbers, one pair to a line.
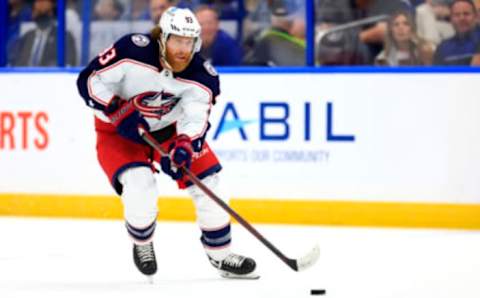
[318,292]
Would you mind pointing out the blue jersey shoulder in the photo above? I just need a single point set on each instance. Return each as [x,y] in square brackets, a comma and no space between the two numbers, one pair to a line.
[138,47]
[201,71]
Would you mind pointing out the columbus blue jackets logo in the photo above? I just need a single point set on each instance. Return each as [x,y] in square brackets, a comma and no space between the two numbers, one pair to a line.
[155,104]
[140,40]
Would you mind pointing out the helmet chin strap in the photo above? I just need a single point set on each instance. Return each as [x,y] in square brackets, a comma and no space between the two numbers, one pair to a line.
[163,59]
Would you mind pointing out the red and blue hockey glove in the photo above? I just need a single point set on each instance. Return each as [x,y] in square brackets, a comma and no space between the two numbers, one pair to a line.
[180,151]
[179,155]
[126,119]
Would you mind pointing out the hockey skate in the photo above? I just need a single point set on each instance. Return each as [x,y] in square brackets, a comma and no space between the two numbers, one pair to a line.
[236,267]
[144,258]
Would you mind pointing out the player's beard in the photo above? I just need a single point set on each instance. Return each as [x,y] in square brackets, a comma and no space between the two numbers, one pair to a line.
[178,63]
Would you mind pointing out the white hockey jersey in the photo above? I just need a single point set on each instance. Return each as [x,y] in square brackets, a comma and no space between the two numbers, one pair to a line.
[132,66]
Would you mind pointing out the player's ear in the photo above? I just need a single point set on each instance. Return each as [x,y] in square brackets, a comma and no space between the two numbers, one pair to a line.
[155,33]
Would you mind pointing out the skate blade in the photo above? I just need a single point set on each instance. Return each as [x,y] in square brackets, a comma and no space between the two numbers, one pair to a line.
[229,275]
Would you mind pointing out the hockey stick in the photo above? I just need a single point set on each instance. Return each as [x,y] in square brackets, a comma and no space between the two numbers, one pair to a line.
[296,264]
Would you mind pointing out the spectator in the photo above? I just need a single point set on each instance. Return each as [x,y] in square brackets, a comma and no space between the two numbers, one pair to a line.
[258,19]
[460,49]
[477,8]
[334,12]
[341,47]
[402,45]
[225,8]
[276,46]
[157,7]
[107,10]
[432,18]
[38,47]
[373,36]
[138,11]
[217,45]
[74,25]
[19,12]
[476,57]
[298,27]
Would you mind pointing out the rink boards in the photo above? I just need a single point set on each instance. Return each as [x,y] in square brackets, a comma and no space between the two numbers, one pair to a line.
[370,149]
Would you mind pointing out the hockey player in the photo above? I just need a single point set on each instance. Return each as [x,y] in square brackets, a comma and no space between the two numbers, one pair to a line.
[160,83]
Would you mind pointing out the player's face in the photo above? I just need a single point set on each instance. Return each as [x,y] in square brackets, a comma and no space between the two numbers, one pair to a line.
[179,50]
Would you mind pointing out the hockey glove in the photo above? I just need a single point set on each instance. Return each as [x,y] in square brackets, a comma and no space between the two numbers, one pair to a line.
[126,119]
[179,155]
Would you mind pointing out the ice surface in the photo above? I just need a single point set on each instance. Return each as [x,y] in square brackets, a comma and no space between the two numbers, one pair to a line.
[49,258]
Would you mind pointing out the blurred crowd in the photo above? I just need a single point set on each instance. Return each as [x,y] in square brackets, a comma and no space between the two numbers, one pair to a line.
[262,33]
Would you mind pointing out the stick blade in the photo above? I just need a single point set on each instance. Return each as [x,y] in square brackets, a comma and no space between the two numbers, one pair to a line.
[309,259]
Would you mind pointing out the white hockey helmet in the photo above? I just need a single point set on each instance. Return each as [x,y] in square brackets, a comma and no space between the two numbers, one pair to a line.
[182,22]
